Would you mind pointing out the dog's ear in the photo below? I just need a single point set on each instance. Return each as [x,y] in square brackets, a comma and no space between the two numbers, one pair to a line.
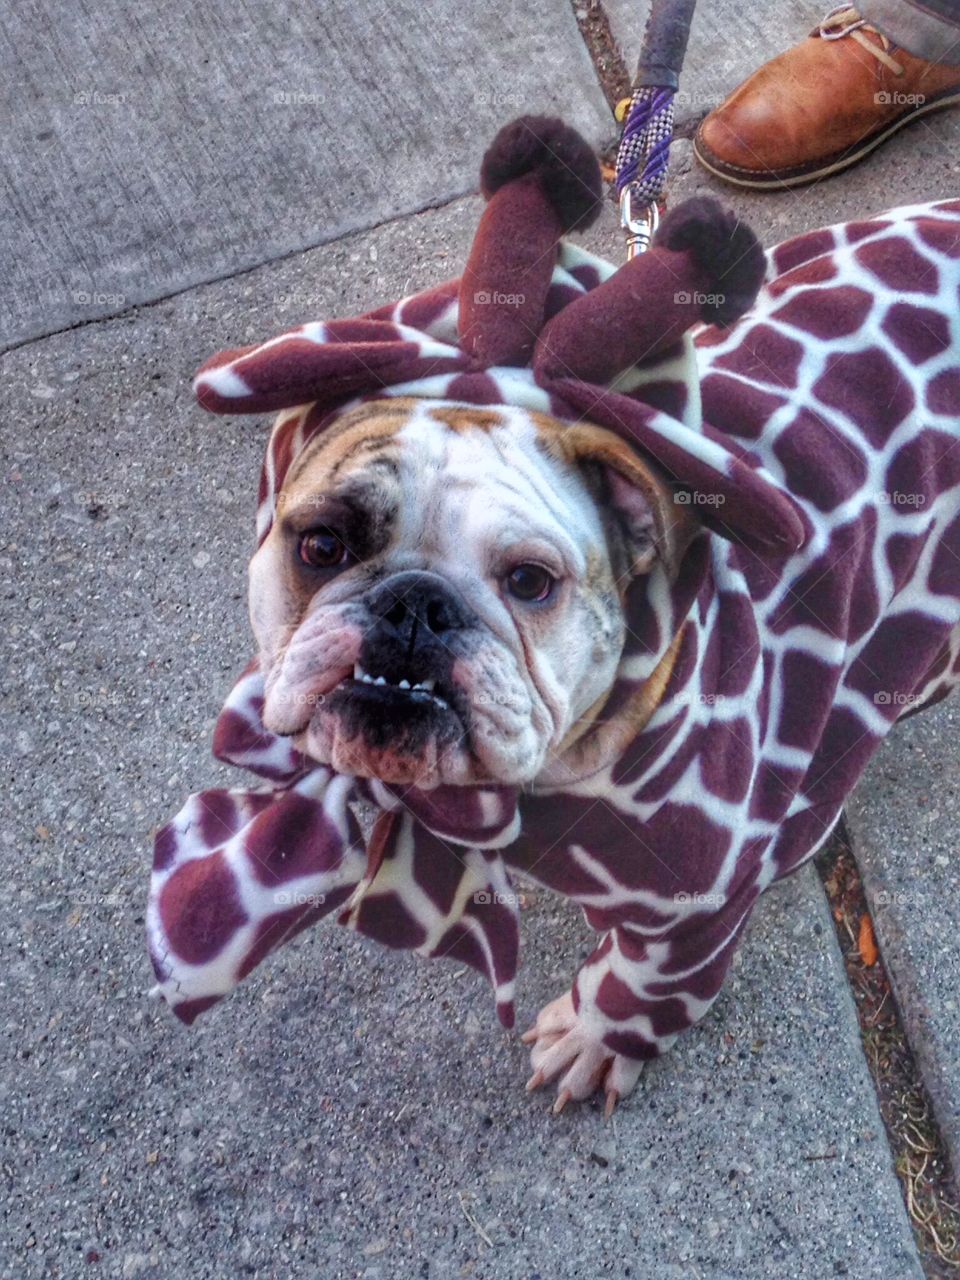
[647,521]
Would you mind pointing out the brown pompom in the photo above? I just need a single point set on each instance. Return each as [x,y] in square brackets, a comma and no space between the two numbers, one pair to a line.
[562,161]
[725,250]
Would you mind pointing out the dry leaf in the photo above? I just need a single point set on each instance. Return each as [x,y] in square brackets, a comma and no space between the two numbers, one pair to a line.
[867,943]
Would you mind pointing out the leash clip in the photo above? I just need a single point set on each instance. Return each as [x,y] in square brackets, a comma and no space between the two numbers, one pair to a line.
[640,228]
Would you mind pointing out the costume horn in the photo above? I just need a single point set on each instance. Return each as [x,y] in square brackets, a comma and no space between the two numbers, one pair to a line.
[704,265]
[541,180]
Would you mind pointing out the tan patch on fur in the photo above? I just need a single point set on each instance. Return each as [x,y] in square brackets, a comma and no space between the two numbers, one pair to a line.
[381,411]
[349,438]
[576,442]
[593,742]
[460,418]
[597,576]
[367,424]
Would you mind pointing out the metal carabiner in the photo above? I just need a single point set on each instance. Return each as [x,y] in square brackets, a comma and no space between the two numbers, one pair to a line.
[640,229]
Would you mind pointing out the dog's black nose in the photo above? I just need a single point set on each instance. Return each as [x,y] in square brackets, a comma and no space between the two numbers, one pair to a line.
[416,605]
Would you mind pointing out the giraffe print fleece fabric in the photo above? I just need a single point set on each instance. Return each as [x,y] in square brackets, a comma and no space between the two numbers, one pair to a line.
[817,439]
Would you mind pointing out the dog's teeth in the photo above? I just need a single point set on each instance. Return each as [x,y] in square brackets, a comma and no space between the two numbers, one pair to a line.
[358,672]
[428,685]
[404,684]
[380,680]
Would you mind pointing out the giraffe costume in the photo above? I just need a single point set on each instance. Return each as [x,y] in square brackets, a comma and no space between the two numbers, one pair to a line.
[810,419]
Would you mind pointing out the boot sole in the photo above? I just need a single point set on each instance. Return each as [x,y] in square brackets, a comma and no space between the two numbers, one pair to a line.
[776,179]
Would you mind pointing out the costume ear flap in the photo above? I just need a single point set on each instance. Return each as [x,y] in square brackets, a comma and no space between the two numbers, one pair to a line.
[541,180]
[729,495]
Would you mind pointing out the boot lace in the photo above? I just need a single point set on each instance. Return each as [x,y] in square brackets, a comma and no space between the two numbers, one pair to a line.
[845,21]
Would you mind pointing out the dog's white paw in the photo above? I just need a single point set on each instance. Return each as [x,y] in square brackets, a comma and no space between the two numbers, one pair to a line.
[563,1046]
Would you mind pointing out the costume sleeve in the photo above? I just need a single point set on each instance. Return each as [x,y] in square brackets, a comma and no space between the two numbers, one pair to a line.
[640,988]
[238,873]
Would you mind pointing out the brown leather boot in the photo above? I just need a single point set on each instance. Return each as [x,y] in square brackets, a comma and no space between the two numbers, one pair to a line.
[821,106]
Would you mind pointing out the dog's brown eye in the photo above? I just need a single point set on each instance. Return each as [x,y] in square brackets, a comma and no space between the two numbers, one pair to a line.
[530,582]
[322,549]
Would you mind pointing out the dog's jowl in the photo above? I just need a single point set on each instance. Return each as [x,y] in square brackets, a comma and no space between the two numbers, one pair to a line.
[613,579]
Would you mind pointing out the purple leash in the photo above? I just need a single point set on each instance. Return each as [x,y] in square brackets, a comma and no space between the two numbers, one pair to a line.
[644,154]
[646,138]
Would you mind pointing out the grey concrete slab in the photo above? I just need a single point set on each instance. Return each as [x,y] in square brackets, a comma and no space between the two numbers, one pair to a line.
[148,148]
[904,822]
[349,1112]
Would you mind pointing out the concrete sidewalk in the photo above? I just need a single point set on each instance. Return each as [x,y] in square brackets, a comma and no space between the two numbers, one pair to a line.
[190,142]
[350,1112]
[905,824]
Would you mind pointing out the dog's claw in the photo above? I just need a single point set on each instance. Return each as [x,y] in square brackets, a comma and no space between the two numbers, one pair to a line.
[565,1048]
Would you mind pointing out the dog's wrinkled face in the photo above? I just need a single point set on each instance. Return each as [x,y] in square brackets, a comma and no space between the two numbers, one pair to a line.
[440,598]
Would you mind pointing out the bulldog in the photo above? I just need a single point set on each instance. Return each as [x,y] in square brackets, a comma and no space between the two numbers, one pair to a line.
[616,583]
[441,597]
